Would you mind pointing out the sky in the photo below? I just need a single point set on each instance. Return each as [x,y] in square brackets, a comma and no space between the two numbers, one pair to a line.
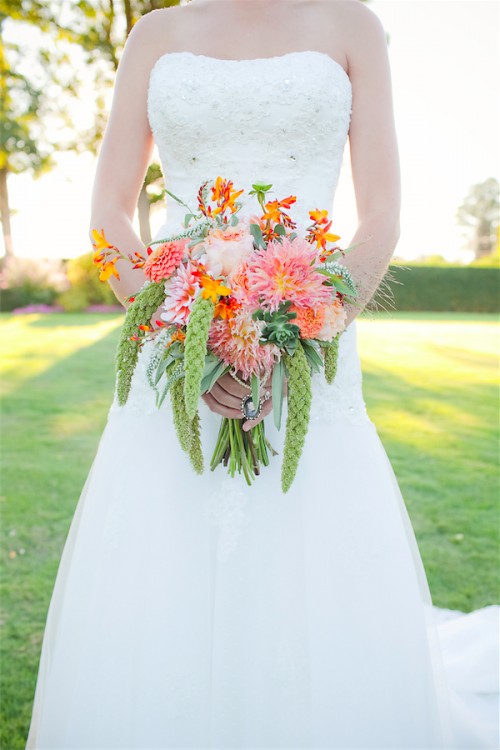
[444,57]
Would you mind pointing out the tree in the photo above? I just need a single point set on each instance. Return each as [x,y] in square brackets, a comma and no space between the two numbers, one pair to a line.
[39,98]
[480,212]
[37,89]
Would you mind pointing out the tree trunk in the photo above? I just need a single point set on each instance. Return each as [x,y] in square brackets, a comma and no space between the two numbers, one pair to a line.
[143,209]
[483,244]
[5,213]
[129,17]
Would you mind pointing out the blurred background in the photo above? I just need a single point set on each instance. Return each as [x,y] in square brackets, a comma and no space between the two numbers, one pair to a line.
[429,353]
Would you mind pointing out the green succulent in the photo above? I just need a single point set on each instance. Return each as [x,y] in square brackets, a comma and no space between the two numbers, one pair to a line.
[278,329]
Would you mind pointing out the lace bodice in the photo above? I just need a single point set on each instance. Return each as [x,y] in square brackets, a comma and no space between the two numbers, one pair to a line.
[281,120]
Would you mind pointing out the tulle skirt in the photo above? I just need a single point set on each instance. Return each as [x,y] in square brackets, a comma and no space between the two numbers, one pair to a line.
[197,612]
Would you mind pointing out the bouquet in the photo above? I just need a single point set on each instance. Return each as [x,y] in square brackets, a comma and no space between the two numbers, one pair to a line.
[241,294]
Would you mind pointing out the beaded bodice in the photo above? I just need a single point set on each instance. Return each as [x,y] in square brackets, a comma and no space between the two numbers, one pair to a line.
[281,120]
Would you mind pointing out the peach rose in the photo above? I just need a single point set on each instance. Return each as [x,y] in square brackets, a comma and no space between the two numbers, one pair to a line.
[226,249]
[335,317]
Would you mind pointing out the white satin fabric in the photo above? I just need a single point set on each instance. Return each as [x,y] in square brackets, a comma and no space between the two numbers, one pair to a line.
[195,612]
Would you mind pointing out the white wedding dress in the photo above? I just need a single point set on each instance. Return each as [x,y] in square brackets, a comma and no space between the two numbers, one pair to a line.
[195,612]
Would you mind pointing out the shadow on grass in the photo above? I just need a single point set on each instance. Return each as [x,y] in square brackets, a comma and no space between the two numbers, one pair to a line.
[438,437]
[44,470]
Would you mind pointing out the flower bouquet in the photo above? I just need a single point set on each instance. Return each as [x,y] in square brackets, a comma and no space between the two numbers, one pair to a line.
[241,294]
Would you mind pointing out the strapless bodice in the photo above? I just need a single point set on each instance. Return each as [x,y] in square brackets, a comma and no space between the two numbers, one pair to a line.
[282,120]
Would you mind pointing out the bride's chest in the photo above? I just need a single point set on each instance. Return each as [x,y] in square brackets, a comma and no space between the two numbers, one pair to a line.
[302,94]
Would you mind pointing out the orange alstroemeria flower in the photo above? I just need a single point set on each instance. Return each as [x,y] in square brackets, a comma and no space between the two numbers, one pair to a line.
[213,288]
[274,211]
[224,195]
[100,241]
[108,269]
[321,235]
[176,336]
[226,308]
[319,217]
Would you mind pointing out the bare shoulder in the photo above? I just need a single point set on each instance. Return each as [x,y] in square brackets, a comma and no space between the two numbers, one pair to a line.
[150,34]
[363,32]
[358,14]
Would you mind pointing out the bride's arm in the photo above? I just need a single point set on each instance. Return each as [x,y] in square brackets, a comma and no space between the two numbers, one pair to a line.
[374,157]
[124,157]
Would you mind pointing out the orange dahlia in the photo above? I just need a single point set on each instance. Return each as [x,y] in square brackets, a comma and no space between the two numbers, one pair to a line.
[165,259]
[309,320]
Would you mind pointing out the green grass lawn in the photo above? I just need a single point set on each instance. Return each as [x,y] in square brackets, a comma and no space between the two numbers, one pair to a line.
[430,387]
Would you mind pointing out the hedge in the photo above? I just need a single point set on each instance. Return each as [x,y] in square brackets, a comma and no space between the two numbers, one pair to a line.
[446,289]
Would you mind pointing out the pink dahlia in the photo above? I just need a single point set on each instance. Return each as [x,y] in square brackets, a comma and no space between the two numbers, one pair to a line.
[181,291]
[286,271]
[236,342]
[165,259]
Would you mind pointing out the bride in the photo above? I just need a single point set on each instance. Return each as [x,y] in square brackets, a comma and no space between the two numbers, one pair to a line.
[194,611]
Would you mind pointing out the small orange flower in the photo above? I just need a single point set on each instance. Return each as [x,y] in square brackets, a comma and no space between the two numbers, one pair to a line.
[213,288]
[100,242]
[226,308]
[321,235]
[319,217]
[108,269]
[274,211]
[177,336]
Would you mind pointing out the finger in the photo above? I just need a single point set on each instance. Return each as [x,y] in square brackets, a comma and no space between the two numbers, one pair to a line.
[231,386]
[249,423]
[225,398]
[218,408]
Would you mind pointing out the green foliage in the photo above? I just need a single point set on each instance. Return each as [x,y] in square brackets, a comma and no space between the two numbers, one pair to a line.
[202,313]
[85,286]
[299,407]
[447,289]
[480,212]
[331,356]
[139,313]
[26,281]
[339,277]
[188,430]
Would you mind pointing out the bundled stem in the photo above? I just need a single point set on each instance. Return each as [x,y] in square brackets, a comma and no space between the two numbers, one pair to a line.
[138,313]
[299,407]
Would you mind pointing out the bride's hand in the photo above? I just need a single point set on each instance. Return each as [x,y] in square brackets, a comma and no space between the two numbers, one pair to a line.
[225,398]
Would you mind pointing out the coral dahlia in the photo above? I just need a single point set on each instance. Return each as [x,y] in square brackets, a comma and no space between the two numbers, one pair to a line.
[165,259]
[309,321]
[237,343]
